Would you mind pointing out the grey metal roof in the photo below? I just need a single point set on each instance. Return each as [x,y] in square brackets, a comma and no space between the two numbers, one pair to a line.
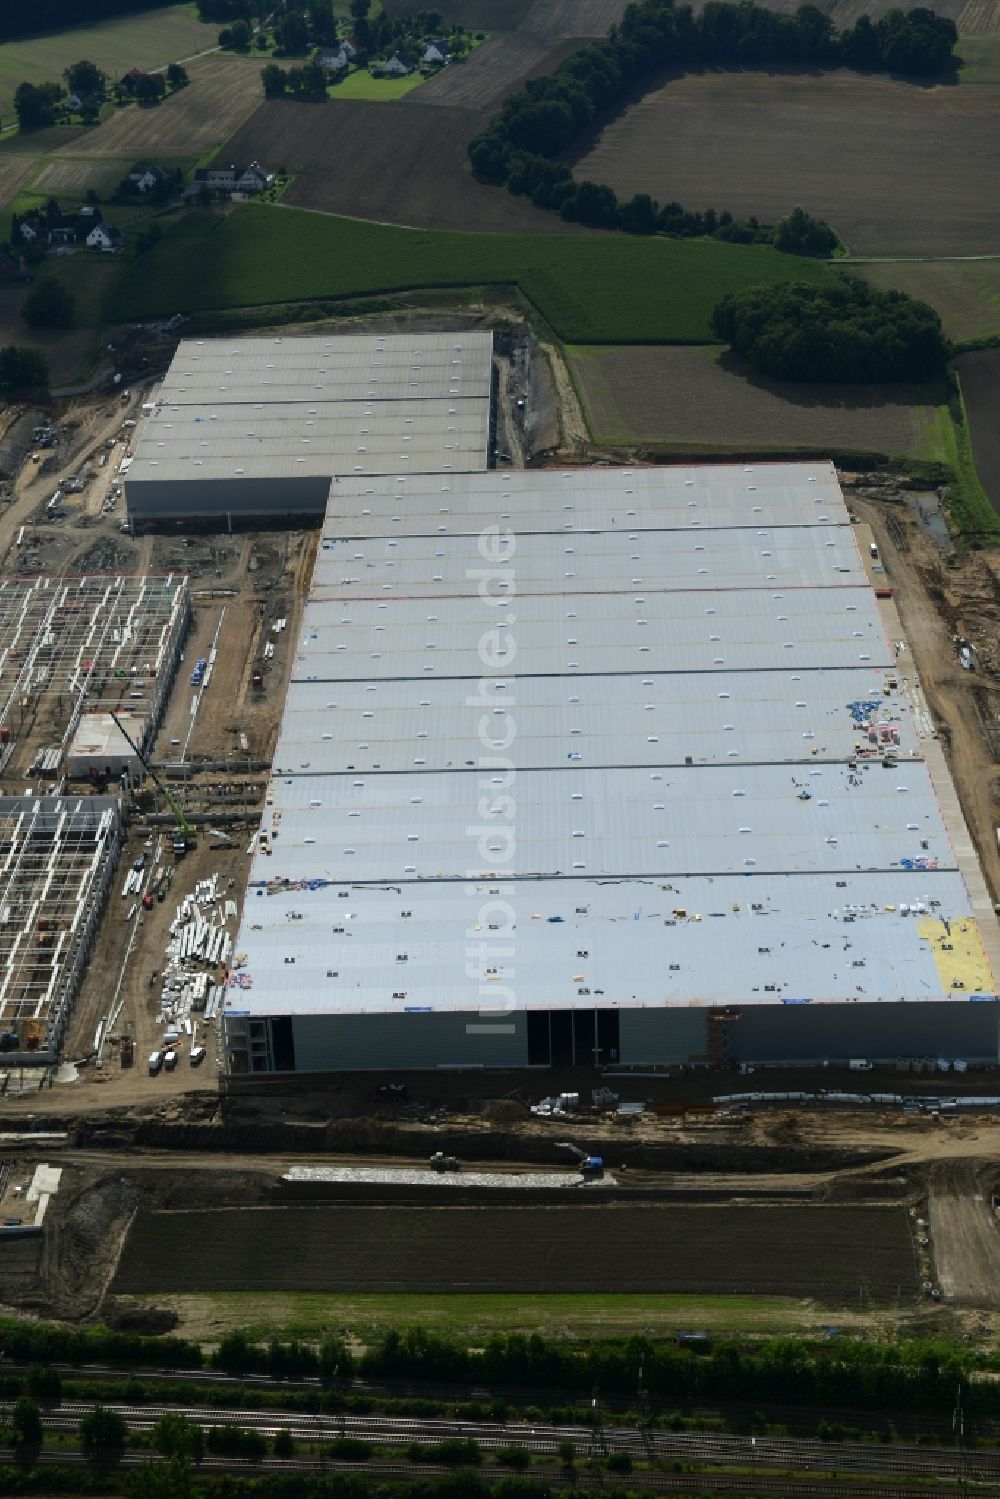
[612,822]
[686,630]
[689,787]
[337,367]
[658,720]
[567,943]
[603,561]
[590,499]
[233,411]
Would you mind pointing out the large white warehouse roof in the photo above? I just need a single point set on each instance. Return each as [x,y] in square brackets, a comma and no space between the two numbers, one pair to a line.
[541,737]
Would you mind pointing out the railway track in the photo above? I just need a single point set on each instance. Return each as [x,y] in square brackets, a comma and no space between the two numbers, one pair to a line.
[433,1390]
[897,1459]
[717,1483]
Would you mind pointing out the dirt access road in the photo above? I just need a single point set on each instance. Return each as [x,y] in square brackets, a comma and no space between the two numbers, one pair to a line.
[965,1236]
[936,601]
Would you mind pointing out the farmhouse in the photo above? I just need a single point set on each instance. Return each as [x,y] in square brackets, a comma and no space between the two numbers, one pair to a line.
[234,179]
[395,68]
[435,53]
[145,179]
[333,61]
[30,229]
[105,237]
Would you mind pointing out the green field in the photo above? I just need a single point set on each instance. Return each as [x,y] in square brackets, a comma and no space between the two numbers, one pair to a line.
[311,1315]
[361,85]
[148,40]
[590,288]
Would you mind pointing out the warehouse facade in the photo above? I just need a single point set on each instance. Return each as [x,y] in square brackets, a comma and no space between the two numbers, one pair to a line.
[609,766]
[253,429]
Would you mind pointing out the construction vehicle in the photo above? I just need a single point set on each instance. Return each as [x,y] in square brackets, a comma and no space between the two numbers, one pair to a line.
[185,834]
[591,1166]
[441,1162]
[223,840]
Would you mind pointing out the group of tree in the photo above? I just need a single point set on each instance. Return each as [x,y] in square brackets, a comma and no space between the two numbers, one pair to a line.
[36,104]
[306,82]
[49,304]
[544,118]
[842,330]
[23,372]
[56,15]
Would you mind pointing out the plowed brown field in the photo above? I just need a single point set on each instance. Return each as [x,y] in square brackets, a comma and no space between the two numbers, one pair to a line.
[829,1253]
[895,168]
[401,163]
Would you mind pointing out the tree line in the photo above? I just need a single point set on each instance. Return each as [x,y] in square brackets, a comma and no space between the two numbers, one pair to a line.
[538,122]
[56,15]
[917,1376]
[844,330]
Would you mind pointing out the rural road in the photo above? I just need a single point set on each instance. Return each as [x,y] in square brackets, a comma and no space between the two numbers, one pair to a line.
[965,1236]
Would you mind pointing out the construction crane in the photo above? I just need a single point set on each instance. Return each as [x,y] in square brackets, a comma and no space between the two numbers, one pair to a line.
[590,1165]
[185,834]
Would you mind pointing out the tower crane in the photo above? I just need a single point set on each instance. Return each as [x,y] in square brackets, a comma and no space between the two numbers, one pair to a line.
[185,834]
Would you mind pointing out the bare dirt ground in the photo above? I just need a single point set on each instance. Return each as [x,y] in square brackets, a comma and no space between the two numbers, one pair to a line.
[763,142]
[936,601]
[701,398]
[832,1254]
[966,1239]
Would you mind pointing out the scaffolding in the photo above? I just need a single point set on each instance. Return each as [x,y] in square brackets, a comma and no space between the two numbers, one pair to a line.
[57,859]
[69,645]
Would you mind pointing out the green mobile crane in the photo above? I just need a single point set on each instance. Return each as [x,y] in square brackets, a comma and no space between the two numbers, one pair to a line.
[185,834]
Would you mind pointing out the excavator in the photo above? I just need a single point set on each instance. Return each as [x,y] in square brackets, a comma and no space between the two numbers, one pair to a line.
[591,1166]
[185,834]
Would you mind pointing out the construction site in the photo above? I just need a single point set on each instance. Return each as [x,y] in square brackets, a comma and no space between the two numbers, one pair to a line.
[175,689]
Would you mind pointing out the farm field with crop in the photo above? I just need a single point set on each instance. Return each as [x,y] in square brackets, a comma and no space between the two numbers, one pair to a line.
[494,70]
[966,293]
[832,1254]
[194,120]
[147,40]
[584,286]
[980,377]
[895,168]
[702,400]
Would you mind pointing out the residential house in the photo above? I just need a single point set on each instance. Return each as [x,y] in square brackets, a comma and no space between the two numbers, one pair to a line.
[350,46]
[331,61]
[30,229]
[106,237]
[63,234]
[74,103]
[395,68]
[435,53]
[145,179]
[130,81]
[234,179]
